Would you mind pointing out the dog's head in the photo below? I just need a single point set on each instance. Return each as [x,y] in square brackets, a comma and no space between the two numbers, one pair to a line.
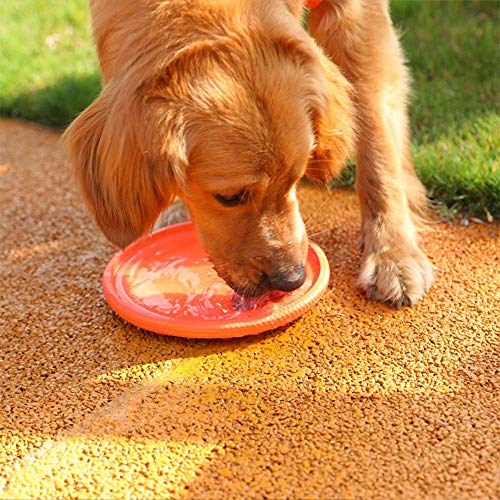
[229,125]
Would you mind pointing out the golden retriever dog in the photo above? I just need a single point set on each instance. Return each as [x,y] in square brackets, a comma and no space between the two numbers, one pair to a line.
[224,105]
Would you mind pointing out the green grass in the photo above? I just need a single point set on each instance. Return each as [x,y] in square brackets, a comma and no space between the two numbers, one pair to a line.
[48,73]
[48,65]
[452,51]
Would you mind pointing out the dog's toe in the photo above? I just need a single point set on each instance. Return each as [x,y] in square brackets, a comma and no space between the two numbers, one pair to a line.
[174,214]
[397,277]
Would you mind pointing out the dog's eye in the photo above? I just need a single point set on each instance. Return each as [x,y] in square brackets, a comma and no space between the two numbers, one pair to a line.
[233,200]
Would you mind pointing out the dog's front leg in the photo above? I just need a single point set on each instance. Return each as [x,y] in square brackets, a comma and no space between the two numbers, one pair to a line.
[175,214]
[359,37]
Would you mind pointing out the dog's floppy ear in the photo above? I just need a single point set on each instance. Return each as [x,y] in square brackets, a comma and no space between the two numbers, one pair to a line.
[328,97]
[129,160]
[331,108]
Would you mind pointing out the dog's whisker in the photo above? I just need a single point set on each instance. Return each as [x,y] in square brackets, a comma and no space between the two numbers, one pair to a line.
[316,227]
[317,224]
[315,212]
[320,232]
[255,206]
[253,289]
[221,266]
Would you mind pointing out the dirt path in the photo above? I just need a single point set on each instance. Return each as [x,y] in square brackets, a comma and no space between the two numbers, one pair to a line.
[352,400]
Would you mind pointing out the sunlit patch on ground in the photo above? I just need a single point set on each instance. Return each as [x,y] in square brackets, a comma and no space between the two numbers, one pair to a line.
[41,249]
[106,467]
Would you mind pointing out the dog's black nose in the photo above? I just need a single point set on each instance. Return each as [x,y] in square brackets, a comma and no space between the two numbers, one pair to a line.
[287,281]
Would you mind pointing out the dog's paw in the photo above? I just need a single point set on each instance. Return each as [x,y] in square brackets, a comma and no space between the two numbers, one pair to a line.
[176,213]
[396,276]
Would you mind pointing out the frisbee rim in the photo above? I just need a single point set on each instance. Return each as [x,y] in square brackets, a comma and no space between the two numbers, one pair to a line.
[134,313]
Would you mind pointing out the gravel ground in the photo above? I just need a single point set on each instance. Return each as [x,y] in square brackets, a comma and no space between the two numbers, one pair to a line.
[353,400]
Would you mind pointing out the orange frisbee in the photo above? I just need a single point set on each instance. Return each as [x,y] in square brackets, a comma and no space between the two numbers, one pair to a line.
[165,283]
[312,4]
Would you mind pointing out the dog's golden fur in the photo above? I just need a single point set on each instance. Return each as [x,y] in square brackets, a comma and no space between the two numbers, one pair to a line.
[210,98]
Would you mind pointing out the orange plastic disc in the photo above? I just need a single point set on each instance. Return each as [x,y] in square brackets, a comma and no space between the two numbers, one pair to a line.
[312,4]
[165,283]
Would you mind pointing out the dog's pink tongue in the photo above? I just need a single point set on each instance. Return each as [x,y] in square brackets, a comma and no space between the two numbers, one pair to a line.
[246,304]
